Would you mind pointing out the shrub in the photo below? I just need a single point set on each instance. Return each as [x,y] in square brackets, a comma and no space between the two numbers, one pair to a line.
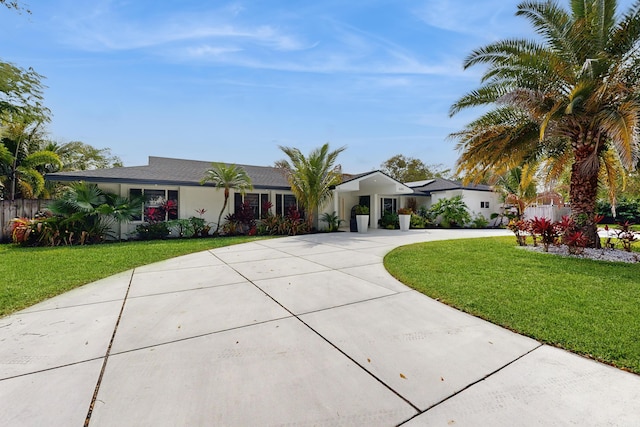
[389,221]
[479,221]
[332,220]
[547,231]
[452,212]
[362,210]
[153,231]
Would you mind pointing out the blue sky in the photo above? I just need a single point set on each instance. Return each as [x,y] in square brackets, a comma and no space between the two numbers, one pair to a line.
[230,81]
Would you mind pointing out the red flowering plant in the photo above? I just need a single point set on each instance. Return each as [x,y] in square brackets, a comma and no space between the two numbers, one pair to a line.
[547,231]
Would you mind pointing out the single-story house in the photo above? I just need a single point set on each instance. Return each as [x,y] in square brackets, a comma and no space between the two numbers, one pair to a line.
[479,198]
[178,180]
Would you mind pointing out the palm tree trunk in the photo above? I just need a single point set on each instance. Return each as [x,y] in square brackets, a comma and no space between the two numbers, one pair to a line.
[583,192]
[224,205]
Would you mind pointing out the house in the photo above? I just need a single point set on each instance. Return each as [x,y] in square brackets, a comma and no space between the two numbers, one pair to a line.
[480,199]
[178,180]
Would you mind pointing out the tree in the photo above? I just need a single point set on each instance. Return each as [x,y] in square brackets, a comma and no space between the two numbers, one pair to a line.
[22,163]
[77,155]
[311,177]
[21,95]
[409,169]
[571,99]
[518,186]
[228,177]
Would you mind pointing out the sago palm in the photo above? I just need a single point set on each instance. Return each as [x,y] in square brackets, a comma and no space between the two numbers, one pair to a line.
[570,100]
[312,177]
[227,177]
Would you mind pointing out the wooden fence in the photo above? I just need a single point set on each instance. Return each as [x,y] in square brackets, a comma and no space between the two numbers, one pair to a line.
[10,209]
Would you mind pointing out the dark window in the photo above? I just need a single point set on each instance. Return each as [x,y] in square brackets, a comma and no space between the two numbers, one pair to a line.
[484,205]
[388,205]
[254,202]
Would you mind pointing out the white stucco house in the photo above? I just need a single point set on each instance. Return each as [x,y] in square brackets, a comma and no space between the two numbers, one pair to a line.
[480,199]
[179,180]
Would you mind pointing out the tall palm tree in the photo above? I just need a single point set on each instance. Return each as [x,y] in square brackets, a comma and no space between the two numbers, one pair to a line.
[228,177]
[312,177]
[571,99]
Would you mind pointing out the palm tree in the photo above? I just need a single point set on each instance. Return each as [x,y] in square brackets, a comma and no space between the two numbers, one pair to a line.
[89,211]
[22,163]
[518,186]
[570,100]
[312,177]
[229,177]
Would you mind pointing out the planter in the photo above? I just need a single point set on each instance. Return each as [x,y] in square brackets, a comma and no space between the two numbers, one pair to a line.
[362,222]
[405,222]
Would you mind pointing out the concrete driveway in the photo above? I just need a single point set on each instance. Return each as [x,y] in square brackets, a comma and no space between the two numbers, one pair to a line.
[299,331]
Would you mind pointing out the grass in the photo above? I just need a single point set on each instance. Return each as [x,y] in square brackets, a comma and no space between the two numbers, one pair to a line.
[31,275]
[588,307]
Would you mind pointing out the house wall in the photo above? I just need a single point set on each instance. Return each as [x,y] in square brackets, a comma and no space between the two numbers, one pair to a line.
[190,199]
[472,198]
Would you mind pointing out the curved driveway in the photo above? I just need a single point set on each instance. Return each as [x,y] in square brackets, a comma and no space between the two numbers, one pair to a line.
[299,331]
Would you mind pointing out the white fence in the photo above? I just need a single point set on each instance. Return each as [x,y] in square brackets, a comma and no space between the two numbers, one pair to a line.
[10,209]
[553,213]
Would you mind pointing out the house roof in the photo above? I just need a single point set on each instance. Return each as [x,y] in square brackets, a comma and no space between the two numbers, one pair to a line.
[378,179]
[167,171]
[440,184]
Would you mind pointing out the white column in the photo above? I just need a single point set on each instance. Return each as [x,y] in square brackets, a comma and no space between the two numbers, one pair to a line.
[374,211]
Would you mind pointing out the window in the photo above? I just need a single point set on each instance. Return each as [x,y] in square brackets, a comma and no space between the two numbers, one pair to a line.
[256,202]
[388,205]
[284,202]
[484,205]
[159,205]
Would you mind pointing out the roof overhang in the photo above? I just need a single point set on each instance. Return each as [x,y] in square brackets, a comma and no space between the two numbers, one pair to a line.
[374,182]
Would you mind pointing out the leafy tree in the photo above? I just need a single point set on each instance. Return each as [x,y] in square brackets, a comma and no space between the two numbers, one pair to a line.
[21,95]
[311,177]
[228,177]
[77,155]
[571,99]
[409,169]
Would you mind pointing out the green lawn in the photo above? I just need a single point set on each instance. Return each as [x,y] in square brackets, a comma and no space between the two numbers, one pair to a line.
[589,307]
[30,275]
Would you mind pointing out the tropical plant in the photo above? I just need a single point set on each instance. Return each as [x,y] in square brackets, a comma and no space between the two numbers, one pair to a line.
[333,221]
[227,177]
[546,229]
[517,186]
[22,163]
[570,99]
[311,177]
[84,214]
[451,212]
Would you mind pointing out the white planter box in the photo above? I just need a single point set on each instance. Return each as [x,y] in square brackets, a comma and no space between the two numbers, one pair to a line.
[405,222]
[363,223]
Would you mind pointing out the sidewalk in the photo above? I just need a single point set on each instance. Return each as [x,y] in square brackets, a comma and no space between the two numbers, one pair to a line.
[299,331]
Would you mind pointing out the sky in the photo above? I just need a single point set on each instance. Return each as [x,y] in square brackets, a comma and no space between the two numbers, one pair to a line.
[231,81]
